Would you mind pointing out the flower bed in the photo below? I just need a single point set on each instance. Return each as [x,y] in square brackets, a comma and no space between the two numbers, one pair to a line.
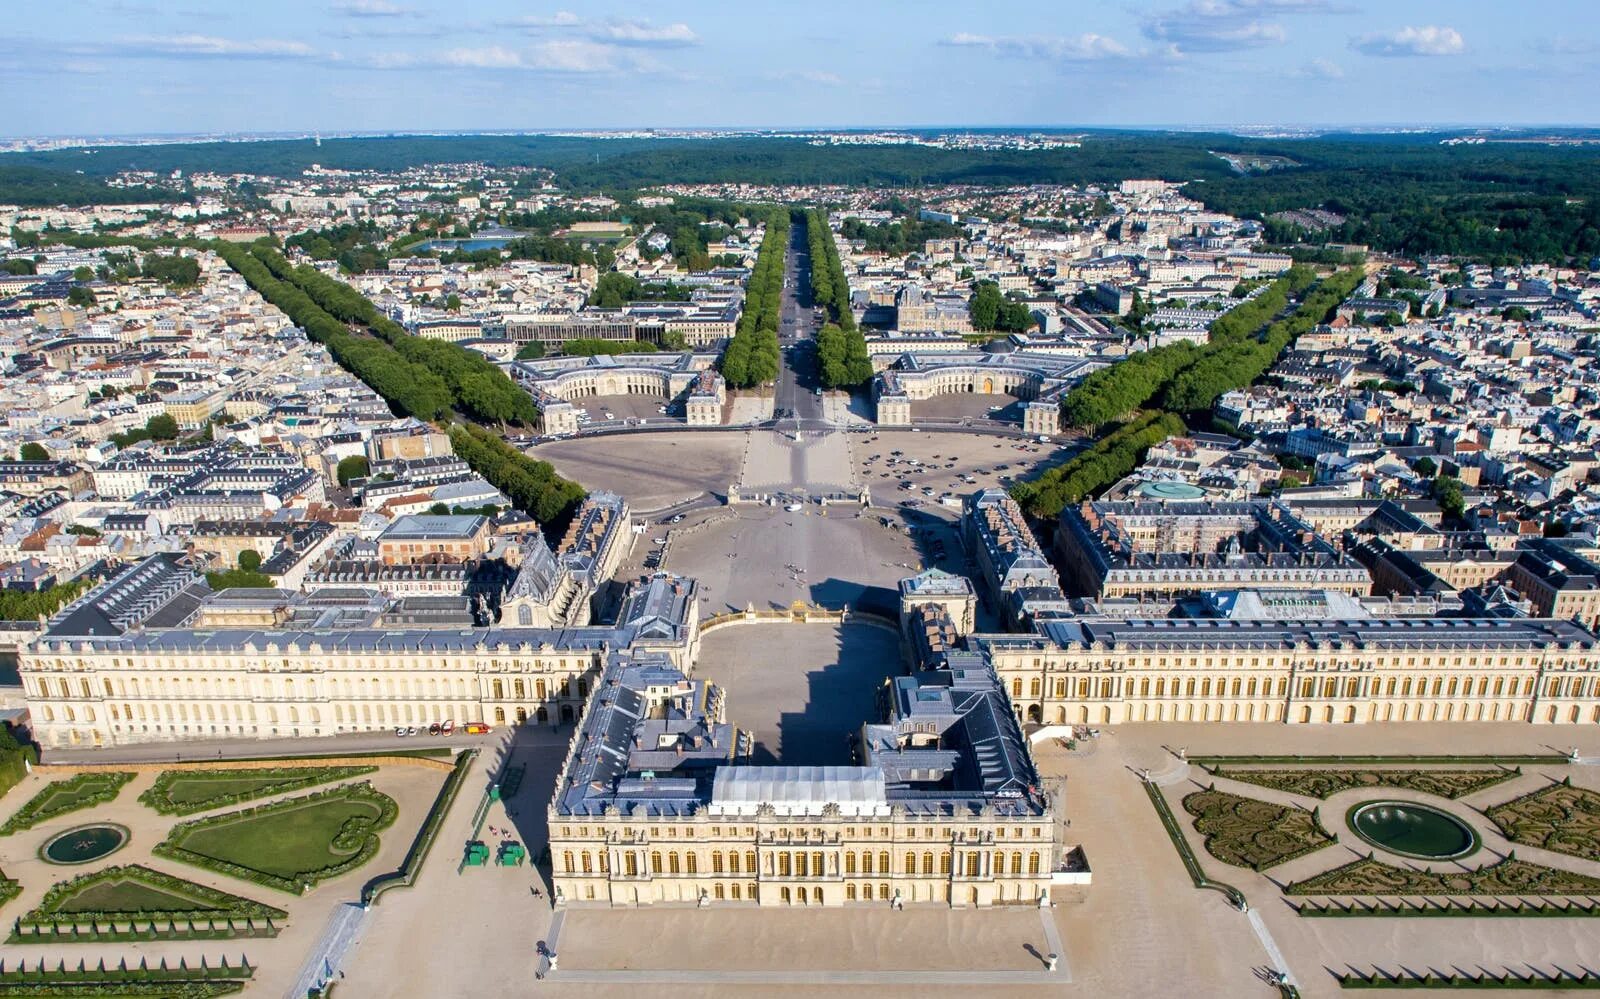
[63,796]
[137,903]
[184,792]
[1245,832]
[1508,877]
[1319,783]
[1559,817]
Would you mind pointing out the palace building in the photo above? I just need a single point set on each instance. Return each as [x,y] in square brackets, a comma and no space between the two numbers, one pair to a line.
[657,804]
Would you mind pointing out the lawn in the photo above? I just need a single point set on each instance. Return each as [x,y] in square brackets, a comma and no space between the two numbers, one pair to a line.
[63,796]
[129,896]
[288,844]
[184,792]
[284,843]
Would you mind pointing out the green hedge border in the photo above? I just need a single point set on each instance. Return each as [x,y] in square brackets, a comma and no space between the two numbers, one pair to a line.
[172,849]
[406,876]
[158,795]
[34,811]
[1507,979]
[1284,810]
[1451,906]
[1191,863]
[45,922]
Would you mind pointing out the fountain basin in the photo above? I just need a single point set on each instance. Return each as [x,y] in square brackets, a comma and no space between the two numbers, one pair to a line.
[1412,830]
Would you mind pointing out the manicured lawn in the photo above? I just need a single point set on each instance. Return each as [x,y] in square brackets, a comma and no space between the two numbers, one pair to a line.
[283,843]
[130,896]
[184,792]
[63,796]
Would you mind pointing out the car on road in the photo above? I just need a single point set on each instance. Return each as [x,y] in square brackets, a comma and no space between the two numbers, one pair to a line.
[435,728]
[793,507]
[448,727]
[400,730]
[476,728]
[677,518]
[658,541]
[610,416]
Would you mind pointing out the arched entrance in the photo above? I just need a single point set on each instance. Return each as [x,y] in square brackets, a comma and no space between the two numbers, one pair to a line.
[522,715]
[566,714]
[1033,713]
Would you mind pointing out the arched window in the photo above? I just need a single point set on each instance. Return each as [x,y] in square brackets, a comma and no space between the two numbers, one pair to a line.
[849,858]
[1033,862]
[655,861]
[927,863]
[883,862]
[691,864]
[716,861]
[566,860]
[672,858]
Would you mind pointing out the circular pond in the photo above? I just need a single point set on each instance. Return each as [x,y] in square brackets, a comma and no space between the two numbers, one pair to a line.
[1412,830]
[84,843]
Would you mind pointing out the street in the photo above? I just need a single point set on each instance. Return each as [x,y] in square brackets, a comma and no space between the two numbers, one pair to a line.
[797,404]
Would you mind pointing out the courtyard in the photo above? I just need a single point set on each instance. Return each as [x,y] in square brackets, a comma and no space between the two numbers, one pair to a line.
[803,690]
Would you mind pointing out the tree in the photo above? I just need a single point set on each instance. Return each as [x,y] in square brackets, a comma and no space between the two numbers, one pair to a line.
[80,295]
[1425,466]
[162,427]
[250,560]
[452,302]
[353,467]
[34,451]
[984,306]
[439,510]
[19,265]
[1447,493]
[530,351]
[83,274]
[1516,314]
[237,578]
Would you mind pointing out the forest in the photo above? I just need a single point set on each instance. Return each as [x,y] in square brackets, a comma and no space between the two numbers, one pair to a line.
[1502,201]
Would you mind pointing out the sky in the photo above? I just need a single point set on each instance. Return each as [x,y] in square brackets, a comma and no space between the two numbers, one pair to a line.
[124,67]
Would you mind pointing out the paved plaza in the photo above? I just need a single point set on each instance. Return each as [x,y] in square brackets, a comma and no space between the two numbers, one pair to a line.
[803,690]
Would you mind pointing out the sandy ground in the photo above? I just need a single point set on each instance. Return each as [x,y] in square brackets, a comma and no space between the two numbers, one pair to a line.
[803,690]
[652,470]
[278,959]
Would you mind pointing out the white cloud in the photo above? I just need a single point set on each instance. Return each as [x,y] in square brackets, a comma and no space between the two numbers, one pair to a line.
[372,8]
[1074,48]
[560,19]
[1226,25]
[1322,69]
[673,35]
[1428,40]
[613,31]
[213,47]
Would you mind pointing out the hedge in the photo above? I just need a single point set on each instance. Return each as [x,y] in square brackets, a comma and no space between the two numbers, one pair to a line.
[69,795]
[407,874]
[358,833]
[159,794]
[50,919]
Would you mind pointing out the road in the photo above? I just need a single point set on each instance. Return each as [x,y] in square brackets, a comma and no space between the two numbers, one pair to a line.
[797,403]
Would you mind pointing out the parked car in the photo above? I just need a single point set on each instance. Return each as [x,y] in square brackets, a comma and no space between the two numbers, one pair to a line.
[400,730]
[476,728]
[435,728]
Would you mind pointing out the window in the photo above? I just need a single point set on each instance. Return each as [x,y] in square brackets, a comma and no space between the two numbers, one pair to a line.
[655,861]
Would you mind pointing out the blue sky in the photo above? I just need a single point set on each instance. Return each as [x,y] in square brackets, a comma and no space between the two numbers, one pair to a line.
[190,66]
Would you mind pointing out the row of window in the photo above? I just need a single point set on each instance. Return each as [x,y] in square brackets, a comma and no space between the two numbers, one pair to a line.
[802,864]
